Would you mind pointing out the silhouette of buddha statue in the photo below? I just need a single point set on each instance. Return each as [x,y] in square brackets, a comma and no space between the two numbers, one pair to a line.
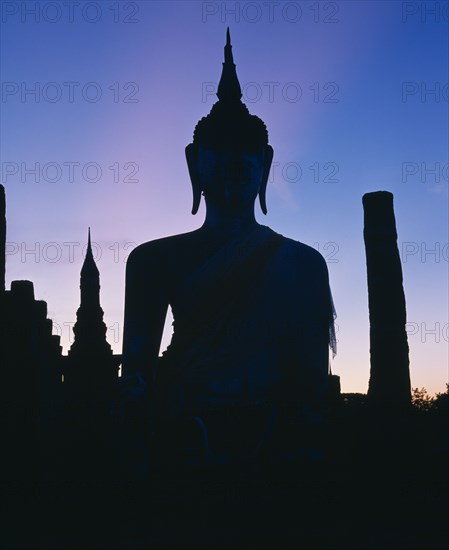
[252,309]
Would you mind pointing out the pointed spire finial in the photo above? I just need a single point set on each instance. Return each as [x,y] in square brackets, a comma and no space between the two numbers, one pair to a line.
[89,253]
[229,86]
[89,262]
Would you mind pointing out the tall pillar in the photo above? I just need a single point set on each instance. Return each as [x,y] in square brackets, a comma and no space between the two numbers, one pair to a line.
[2,239]
[389,384]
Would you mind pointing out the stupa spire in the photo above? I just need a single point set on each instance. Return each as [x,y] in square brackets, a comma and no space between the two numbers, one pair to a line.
[89,266]
[90,360]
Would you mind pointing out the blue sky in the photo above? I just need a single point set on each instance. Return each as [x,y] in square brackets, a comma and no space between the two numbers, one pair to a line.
[355,98]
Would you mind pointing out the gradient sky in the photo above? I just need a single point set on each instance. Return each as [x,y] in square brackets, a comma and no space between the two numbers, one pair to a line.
[345,89]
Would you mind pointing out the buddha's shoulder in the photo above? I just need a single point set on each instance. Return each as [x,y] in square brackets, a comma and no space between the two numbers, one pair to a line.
[301,252]
[160,248]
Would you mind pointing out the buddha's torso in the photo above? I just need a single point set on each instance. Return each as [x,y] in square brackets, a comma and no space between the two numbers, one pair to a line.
[235,338]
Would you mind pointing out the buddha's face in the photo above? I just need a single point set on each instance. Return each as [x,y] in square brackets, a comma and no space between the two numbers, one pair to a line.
[230,177]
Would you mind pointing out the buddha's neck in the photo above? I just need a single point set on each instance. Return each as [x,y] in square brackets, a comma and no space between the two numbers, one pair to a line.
[219,220]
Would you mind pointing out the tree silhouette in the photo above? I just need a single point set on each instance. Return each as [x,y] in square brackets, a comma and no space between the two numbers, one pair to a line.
[421,400]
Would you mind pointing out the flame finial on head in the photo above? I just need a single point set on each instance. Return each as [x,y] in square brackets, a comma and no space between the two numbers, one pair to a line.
[229,86]
[229,120]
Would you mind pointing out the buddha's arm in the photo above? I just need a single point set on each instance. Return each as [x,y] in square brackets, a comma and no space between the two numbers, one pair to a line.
[146,306]
[319,350]
[314,355]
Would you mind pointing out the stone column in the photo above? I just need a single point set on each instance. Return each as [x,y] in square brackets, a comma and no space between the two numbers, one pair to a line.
[389,384]
[2,239]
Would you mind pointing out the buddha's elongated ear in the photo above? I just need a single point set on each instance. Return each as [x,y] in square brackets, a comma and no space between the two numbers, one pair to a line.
[191,157]
[268,159]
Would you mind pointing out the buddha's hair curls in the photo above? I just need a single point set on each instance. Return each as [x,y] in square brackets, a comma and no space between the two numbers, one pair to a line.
[230,122]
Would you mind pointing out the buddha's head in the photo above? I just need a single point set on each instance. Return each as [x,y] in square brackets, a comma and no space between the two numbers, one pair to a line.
[229,160]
